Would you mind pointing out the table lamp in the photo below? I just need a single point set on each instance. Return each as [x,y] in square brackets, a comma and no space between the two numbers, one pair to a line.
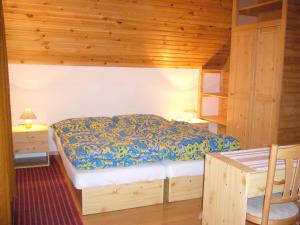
[190,115]
[28,116]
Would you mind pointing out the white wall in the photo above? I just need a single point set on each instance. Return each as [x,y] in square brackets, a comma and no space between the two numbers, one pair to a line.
[59,92]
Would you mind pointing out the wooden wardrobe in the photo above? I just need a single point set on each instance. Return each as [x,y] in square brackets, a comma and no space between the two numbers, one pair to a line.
[264,83]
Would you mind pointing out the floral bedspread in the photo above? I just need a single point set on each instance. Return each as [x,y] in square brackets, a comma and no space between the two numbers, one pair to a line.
[121,141]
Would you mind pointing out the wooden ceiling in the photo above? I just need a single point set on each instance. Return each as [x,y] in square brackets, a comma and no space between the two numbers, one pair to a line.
[137,33]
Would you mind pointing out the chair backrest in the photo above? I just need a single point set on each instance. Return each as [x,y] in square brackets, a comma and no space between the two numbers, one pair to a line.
[291,182]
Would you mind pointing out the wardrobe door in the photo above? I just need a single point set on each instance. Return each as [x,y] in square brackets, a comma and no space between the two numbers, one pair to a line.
[266,92]
[242,64]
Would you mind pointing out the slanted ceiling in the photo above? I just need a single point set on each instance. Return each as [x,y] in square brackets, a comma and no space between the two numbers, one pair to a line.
[138,33]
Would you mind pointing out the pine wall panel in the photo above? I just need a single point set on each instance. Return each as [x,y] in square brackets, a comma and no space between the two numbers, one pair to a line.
[7,173]
[289,124]
[138,33]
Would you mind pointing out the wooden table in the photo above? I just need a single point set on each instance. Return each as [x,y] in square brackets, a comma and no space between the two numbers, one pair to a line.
[231,178]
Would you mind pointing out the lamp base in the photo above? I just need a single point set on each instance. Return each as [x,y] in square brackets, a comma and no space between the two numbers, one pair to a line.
[28,124]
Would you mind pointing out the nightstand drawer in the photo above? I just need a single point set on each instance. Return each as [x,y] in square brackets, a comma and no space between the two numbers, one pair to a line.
[30,137]
[25,147]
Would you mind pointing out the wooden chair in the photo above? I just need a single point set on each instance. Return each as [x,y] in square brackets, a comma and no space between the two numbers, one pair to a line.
[279,208]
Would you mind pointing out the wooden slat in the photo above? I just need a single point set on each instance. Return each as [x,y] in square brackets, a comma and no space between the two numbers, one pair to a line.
[184,188]
[169,33]
[289,126]
[7,181]
[116,197]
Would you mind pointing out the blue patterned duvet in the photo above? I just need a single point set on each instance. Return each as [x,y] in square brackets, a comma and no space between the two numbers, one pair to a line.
[120,141]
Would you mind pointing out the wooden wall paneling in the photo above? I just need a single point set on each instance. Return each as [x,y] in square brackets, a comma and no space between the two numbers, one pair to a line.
[169,33]
[6,167]
[289,123]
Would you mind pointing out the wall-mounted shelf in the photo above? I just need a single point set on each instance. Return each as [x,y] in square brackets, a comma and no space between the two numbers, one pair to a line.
[254,12]
[216,119]
[268,23]
[219,95]
[258,8]
[213,97]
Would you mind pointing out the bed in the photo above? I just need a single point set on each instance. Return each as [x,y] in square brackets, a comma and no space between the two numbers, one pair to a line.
[110,189]
[134,160]
[184,180]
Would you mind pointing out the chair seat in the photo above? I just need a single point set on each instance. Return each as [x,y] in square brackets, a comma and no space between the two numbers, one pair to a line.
[277,211]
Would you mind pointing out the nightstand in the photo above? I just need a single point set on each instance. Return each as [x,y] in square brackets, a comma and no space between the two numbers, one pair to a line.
[199,123]
[31,143]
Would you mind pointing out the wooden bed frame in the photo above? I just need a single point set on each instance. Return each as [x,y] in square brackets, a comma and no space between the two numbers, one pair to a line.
[183,188]
[117,197]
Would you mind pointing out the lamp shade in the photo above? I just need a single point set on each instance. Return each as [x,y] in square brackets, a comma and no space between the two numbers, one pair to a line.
[28,115]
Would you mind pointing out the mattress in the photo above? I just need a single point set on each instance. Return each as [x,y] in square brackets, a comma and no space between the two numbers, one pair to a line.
[183,168]
[112,176]
[146,172]
[123,141]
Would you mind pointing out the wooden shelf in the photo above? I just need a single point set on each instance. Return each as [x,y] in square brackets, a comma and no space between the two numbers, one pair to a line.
[215,119]
[258,24]
[29,162]
[262,7]
[219,95]
[208,71]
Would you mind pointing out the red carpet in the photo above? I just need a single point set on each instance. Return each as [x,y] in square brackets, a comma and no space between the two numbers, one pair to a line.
[43,198]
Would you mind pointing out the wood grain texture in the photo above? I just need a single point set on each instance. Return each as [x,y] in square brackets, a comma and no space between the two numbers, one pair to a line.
[114,197]
[7,182]
[242,61]
[221,96]
[28,142]
[225,193]
[231,183]
[176,213]
[183,188]
[149,33]
[267,82]
[273,110]
[125,196]
[289,123]
[257,183]
[290,185]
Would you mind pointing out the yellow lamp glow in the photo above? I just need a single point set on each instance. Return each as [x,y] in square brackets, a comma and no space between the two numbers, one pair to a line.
[190,115]
[28,116]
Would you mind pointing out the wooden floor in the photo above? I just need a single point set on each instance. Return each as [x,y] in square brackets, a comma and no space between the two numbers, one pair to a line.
[178,213]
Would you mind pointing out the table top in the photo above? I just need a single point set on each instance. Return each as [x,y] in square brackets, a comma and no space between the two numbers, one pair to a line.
[193,121]
[35,127]
[252,160]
